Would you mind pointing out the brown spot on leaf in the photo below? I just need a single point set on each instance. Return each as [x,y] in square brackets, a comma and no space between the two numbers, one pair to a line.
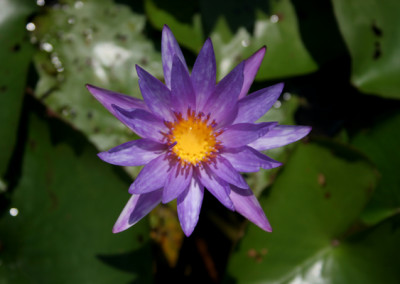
[257,256]
[321,179]
[16,47]
[335,243]
[377,51]
[376,29]
[251,253]
[327,195]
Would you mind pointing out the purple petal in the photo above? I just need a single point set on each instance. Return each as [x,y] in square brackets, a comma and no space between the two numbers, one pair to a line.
[169,48]
[156,95]
[247,204]
[246,159]
[133,153]
[152,176]
[222,104]
[224,170]
[279,136]
[143,123]
[219,188]
[253,106]
[138,206]
[204,74]
[182,92]
[177,181]
[189,205]
[108,98]
[241,134]
[251,66]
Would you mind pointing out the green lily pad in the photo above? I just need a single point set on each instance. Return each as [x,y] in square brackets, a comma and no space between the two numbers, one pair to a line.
[62,213]
[313,207]
[275,26]
[370,30]
[381,143]
[15,56]
[96,42]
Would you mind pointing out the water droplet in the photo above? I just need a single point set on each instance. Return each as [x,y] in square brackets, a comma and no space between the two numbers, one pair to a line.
[71,20]
[78,4]
[287,96]
[14,212]
[56,62]
[46,47]
[30,27]
[245,43]
[277,104]
[40,3]
[274,18]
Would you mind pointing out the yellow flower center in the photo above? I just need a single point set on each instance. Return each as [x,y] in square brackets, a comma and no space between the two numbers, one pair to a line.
[194,138]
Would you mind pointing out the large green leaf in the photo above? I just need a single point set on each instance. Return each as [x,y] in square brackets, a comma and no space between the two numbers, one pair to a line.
[67,202]
[313,206]
[15,55]
[381,143]
[274,24]
[370,30]
[96,42]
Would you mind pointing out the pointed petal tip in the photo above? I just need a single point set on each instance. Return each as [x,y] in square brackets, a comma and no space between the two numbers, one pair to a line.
[117,229]
[187,232]
[166,27]
[261,51]
[92,89]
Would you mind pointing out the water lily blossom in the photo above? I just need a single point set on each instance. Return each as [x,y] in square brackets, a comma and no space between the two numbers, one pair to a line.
[196,134]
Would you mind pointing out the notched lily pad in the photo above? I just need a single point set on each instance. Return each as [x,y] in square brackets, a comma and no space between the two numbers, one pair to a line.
[370,30]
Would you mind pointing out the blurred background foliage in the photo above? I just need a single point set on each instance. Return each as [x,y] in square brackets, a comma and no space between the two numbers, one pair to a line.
[334,205]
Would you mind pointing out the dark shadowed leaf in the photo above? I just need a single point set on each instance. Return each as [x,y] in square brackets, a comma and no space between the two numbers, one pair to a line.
[381,143]
[67,202]
[15,56]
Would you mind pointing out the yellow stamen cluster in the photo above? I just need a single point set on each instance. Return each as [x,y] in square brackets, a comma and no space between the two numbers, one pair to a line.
[193,138]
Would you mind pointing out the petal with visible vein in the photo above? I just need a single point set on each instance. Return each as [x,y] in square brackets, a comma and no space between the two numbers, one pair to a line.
[224,170]
[251,66]
[152,176]
[204,74]
[133,153]
[219,188]
[255,105]
[156,95]
[143,123]
[241,134]
[138,206]
[247,204]
[177,181]
[189,205]
[222,104]
[182,93]
[246,159]
[279,136]
[169,48]
[108,98]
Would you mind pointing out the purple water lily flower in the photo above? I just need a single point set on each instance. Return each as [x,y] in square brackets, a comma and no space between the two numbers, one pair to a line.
[196,134]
